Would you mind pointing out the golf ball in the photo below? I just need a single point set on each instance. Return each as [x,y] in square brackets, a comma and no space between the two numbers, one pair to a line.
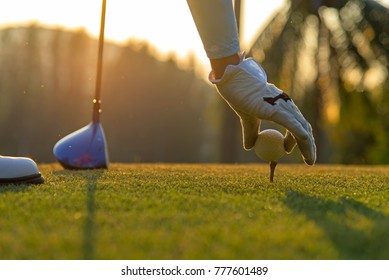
[269,145]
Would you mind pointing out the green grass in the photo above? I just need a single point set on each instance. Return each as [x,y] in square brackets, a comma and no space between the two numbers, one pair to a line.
[162,211]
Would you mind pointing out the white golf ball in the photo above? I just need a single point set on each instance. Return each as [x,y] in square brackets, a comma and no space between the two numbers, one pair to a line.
[269,145]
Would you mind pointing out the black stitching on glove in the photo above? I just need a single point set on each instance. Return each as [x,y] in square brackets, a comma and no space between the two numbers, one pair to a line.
[272,100]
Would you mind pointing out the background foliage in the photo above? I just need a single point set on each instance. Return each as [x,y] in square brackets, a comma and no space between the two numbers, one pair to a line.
[152,110]
[330,56]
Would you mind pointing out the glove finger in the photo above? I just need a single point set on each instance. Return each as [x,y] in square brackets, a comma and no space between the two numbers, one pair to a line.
[250,126]
[289,142]
[300,128]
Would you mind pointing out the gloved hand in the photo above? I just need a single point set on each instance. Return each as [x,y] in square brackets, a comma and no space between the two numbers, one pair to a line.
[246,90]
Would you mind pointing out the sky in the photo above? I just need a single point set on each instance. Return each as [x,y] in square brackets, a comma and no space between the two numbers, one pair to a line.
[166,24]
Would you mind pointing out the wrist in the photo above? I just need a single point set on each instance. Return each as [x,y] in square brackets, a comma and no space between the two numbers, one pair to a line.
[219,65]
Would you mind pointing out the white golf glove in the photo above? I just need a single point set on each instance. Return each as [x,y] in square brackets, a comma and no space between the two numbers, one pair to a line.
[245,88]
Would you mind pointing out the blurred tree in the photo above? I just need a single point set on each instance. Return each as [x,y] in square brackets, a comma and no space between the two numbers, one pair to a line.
[22,86]
[152,109]
[332,57]
[161,110]
[230,138]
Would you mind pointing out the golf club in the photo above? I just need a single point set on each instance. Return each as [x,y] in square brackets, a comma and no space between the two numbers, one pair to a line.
[86,148]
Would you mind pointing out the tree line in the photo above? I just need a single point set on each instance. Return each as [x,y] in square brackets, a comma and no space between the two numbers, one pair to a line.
[156,111]
[153,111]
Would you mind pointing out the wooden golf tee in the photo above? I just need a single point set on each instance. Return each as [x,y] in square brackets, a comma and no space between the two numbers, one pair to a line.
[273,165]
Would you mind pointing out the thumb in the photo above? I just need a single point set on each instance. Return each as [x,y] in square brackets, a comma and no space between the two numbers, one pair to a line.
[250,126]
[289,142]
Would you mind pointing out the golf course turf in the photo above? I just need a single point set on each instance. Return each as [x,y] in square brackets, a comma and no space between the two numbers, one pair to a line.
[198,211]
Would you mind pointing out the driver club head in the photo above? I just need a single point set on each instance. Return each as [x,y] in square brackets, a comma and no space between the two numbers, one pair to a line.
[85,148]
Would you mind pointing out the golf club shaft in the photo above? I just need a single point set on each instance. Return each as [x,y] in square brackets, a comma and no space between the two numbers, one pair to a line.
[97,100]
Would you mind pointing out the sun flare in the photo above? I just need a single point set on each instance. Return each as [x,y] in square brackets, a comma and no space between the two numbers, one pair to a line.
[167,25]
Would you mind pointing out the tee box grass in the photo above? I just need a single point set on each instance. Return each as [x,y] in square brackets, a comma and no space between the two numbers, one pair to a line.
[198,211]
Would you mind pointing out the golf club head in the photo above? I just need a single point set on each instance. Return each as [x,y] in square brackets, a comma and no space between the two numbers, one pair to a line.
[83,149]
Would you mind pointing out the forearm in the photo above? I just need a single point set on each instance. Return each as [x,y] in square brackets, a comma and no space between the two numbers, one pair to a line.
[216,25]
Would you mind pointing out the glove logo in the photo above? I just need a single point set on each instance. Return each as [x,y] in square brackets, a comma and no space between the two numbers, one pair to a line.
[272,100]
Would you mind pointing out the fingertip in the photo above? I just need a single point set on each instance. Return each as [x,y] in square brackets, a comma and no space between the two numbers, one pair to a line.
[289,142]
[309,162]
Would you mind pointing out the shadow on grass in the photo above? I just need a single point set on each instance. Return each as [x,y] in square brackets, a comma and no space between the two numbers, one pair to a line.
[356,230]
[91,178]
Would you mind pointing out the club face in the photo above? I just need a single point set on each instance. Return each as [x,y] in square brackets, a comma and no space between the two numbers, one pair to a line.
[83,149]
